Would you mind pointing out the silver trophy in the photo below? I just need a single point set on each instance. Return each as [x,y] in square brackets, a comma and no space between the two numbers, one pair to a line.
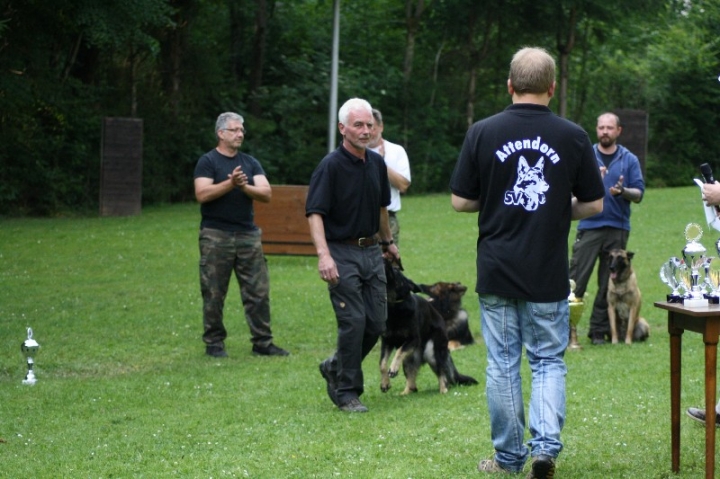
[671,273]
[710,285]
[694,256]
[29,347]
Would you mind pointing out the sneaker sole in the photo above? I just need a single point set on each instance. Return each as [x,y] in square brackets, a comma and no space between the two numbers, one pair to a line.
[543,470]
[701,421]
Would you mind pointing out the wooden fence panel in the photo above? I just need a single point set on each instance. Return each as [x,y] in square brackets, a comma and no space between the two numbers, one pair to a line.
[284,226]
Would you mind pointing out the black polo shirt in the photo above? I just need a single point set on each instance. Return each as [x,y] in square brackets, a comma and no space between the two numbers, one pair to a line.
[349,192]
[524,165]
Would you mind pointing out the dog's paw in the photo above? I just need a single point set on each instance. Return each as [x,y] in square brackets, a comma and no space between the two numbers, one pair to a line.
[393,373]
[408,390]
[385,387]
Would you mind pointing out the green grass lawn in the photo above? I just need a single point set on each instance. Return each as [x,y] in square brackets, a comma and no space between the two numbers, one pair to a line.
[125,391]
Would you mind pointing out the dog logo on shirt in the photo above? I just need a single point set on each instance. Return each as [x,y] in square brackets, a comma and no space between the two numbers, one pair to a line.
[530,186]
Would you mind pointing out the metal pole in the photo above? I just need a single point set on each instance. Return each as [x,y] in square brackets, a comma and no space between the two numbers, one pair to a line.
[332,122]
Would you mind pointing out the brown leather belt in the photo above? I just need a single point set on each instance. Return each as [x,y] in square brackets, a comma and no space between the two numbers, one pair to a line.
[361,242]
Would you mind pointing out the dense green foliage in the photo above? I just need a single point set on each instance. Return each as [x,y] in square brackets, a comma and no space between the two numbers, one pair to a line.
[432,66]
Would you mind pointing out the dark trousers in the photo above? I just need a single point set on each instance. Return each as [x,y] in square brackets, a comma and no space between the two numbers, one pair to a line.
[360,305]
[589,246]
[221,254]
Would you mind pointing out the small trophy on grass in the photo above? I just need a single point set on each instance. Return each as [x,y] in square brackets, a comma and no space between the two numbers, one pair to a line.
[29,347]
[577,306]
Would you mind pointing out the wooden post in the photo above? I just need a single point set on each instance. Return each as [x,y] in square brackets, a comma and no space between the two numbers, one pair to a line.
[121,167]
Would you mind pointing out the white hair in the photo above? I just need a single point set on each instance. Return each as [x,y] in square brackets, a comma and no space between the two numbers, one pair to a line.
[353,104]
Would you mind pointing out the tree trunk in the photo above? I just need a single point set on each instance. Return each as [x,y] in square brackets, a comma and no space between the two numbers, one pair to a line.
[565,45]
[413,12]
[258,60]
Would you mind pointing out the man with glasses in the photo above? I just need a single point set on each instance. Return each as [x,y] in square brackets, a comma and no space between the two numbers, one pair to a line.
[227,182]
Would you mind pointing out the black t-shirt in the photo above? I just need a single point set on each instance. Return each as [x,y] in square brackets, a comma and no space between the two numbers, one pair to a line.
[349,192]
[607,159]
[524,164]
[234,210]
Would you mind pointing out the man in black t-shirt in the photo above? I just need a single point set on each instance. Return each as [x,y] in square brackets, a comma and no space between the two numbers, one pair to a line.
[347,213]
[227,182]
[528,173]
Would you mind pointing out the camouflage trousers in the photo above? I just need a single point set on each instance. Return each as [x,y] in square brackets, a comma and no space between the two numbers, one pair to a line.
[394,227]
[221,253]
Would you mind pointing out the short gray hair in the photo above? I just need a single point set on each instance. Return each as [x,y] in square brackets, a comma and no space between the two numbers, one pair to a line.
[226,117]
[353,104]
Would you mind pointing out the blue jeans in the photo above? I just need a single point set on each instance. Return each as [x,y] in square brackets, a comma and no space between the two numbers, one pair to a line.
[543,328]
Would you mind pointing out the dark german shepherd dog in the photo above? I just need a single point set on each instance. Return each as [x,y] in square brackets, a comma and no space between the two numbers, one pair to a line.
[624,300]
[417,332]
[447,300]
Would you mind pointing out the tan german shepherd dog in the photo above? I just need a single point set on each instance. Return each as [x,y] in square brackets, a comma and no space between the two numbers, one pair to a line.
[624,300]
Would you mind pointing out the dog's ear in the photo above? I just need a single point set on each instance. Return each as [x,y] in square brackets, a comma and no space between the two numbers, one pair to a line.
[399,264]
[630,254]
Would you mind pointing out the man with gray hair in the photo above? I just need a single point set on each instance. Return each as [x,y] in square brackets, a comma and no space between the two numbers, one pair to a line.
[227,182]
[528,173]
[347,214]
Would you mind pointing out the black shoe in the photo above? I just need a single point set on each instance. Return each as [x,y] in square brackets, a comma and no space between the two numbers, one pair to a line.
[543,467]
[699,415]
[597,339]
[353,405]
[331,381]
[215,351]
[269,350]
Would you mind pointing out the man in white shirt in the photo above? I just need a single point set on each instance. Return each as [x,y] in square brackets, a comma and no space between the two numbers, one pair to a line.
[398,167]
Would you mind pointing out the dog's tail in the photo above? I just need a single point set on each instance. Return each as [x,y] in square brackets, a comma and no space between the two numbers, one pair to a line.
[457,377]
[463,380]
[641,331]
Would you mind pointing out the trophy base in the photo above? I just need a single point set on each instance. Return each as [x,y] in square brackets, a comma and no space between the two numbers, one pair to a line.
[695,302]
[674,298]
[574,344]
[712,299]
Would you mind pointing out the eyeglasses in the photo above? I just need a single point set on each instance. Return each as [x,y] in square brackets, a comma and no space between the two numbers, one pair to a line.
[235,131]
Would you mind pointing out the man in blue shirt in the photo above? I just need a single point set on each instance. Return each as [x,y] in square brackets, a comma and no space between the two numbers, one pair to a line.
[598,234]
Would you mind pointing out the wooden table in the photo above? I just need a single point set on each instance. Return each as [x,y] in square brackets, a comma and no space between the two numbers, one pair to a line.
[706,321]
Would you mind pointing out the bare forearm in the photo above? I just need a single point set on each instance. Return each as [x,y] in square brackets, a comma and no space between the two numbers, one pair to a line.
[205,192]
[632,194]
[398,181]
[464,205]
[317,234]
[582,210]
[259,193]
